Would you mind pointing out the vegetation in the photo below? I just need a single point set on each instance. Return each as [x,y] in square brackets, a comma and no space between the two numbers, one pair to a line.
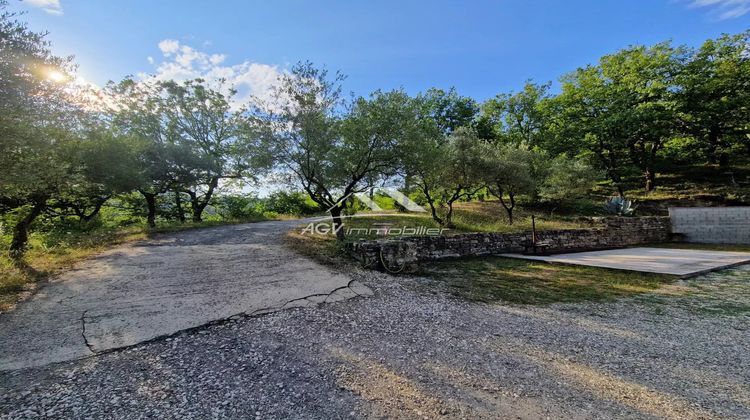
[643,122]
[494,278]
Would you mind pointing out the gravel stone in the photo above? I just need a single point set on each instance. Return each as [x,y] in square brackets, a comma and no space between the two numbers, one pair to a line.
[413,351]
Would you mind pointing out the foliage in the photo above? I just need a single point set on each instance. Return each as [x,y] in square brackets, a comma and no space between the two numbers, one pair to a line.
[568,179]
[517,118]
[291,202]
[622,109]
[332,148]
[507,172]
[714,99]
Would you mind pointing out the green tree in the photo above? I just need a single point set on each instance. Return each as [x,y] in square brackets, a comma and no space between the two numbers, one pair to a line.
[37,121]
[568,179]
[622,110]
[508,171]
[517,118]
[448,109]
[445,169]
[101,166]
[330,146]
[214,137]
[714,97]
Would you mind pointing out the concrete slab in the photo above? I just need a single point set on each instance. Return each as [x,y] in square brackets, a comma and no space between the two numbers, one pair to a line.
[678,262]
[141,291]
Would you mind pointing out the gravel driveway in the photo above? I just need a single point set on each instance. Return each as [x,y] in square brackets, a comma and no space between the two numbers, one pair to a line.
[412,351]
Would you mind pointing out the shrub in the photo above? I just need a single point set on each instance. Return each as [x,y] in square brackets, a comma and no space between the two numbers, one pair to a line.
[294,203]
[239,207]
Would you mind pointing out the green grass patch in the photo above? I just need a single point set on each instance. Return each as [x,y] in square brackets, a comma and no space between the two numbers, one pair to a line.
[494,279]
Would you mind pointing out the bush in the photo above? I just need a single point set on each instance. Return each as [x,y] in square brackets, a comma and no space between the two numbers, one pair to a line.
[238,207]
[568,179]
[294,203]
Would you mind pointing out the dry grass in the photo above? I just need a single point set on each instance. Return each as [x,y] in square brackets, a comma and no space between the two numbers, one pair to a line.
[503,279]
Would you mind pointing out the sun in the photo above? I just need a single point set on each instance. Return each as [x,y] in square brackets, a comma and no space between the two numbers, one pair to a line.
[56,76]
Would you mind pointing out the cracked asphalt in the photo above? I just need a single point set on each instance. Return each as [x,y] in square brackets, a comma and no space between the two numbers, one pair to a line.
[410,349]
[140,291]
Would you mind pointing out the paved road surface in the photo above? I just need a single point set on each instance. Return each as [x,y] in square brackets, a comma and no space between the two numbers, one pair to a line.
[140,291]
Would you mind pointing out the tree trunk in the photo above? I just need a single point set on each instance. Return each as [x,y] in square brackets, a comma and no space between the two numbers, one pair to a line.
[431,202]
[151,204]
[178,204]
[449,216]
[199,205]
[21,230]
[713,145]
[338,225]
[723,159]
[508,206]
[650,176]
[97,207]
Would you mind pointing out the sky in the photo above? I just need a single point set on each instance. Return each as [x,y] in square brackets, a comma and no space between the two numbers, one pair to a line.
[481,48]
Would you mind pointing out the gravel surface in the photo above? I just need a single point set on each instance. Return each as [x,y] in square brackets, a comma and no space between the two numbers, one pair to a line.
[412,351]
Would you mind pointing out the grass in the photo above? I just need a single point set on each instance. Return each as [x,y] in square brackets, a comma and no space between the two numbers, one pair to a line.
[694,185]
[705,247]
[492,279]
[485,216]
[50,253]
[490,216]
[322,248]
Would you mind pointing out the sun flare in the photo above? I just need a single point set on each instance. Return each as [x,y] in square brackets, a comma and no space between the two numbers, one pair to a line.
[56,76]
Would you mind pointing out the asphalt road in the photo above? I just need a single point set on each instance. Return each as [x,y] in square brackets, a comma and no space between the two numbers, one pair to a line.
[140,291]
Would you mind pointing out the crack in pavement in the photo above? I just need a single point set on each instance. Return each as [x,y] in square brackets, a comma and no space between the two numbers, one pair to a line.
[219,273]
[220,321]
[83,333]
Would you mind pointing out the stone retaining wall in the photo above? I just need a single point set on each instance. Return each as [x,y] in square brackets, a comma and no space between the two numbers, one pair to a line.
[404,254]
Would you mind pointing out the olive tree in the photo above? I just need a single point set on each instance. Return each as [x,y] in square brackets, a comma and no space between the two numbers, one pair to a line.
[37,121]
[332,147]
[507,171]
[445,169]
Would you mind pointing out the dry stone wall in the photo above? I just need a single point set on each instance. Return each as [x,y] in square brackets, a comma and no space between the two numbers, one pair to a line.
[403,254]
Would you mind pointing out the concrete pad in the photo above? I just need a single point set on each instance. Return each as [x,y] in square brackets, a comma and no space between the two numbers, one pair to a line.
[137,292]
[678,262]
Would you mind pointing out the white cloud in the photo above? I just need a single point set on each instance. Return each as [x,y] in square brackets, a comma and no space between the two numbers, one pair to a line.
[724,9]
[52,7]
[183,62]
[169,46]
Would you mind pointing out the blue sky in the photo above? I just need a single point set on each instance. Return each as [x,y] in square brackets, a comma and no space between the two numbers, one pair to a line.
[480,47]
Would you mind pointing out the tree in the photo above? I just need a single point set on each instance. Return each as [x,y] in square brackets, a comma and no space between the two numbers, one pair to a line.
[138,113]
[567,179]
[445,169]
[37,121]
[211,133]
[517,118]
[507,173]
[623,110]
[714,96]
[448,109]
[102,165]
[330,146]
